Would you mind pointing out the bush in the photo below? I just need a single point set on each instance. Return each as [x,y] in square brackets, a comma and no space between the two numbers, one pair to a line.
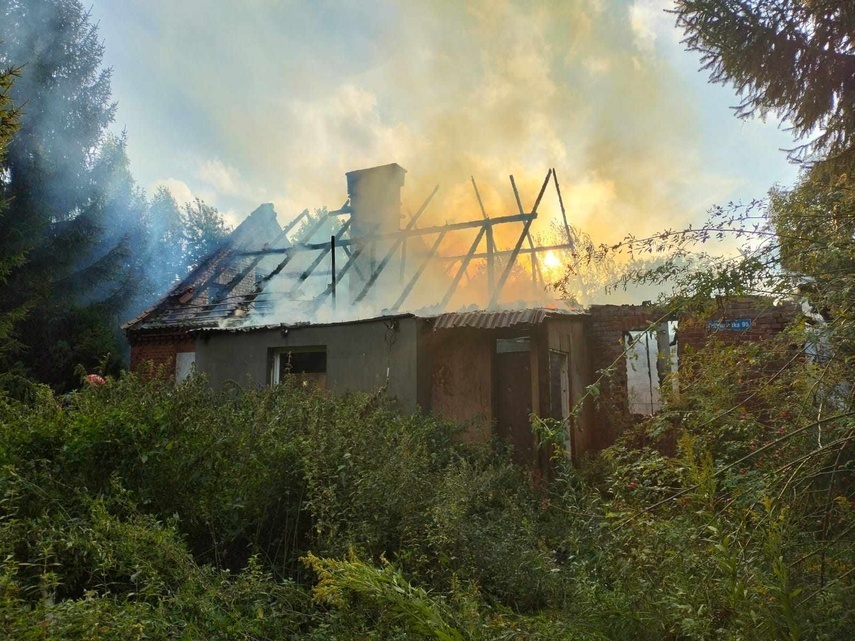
[140,509]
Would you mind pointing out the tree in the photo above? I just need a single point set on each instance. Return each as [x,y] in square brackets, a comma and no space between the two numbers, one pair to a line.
[773,421]
[73,205]
[815,228]
[8,126]
[178,238]
[793,58]
[203,229]
[166,237]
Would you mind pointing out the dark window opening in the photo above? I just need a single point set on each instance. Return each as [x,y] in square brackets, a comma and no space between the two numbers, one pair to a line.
[308,364]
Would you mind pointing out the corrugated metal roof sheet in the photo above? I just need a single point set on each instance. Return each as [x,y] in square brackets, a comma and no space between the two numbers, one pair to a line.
[239,328]
[500,319]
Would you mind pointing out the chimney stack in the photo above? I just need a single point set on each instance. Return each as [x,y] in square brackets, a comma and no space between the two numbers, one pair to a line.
[375,199]
[375,208]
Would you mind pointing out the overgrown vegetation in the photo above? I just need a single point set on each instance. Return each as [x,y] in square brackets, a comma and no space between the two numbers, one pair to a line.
[135,508]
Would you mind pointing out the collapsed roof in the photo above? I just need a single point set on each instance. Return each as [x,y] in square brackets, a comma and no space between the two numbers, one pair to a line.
[265,274]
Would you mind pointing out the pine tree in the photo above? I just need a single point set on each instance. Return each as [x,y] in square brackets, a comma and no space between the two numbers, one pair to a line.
[73,206]
[792,58]
[8,262]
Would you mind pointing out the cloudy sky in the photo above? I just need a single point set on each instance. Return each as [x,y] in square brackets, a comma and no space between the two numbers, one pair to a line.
[254,101]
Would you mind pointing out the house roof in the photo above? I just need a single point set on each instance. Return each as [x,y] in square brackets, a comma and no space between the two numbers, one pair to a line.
[259,275]
[479,319]
[194,302]
[240,329]
[482,319]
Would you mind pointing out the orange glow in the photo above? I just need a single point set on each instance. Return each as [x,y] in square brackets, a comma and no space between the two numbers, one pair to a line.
[551,265]
[551,261]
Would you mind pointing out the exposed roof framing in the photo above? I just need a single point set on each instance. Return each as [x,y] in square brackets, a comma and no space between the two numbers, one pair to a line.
[238,279]
[357,245]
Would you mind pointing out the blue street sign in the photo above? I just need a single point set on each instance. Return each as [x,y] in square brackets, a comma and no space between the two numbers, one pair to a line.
[736,325]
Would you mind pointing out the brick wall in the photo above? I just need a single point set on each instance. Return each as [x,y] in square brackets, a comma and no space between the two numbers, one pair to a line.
[158,350]
[766,321]
[609,323]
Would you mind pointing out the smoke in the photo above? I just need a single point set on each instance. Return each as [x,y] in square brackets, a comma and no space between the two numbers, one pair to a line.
[494,88]
[446,89]
[287,97]
[488,89]
[563,85]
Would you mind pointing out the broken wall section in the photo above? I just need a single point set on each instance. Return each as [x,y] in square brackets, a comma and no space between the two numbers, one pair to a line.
[612,327]
[607,330]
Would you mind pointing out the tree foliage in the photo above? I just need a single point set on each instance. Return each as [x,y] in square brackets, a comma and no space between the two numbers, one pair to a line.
[180,236]
[73,207]
[793,58]
[97,252]
[203,231]
[815,225]
[8,126]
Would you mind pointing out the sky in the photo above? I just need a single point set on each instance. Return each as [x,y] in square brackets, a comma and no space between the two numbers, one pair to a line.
[255,101]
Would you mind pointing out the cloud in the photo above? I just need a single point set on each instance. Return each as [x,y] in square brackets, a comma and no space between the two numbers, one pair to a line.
[178,188]
[648,19]
[222,178]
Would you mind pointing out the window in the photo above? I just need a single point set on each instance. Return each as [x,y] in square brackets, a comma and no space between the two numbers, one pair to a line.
[650,357]
[308,364]
[184,365]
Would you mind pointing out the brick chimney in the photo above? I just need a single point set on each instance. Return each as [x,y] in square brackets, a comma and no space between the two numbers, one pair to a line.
[375,208]
[375,199]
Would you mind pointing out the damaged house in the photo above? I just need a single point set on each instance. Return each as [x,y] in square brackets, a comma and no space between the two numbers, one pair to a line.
[360,298]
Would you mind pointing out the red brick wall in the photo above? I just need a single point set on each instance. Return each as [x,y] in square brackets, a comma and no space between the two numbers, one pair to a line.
[766,321]
[608,323]
[158,350]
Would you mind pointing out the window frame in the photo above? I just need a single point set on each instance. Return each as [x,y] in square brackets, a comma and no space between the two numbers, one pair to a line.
[317,377]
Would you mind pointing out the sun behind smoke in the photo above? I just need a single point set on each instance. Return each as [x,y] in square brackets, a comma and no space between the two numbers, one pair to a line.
[552,265]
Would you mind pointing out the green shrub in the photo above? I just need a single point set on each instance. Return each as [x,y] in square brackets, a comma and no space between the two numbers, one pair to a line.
[138,509]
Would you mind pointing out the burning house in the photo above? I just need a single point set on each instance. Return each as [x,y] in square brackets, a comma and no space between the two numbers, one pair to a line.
[360,298]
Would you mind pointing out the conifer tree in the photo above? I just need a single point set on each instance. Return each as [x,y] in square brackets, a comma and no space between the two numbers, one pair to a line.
[791,58]
[8,262]
[72,204]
